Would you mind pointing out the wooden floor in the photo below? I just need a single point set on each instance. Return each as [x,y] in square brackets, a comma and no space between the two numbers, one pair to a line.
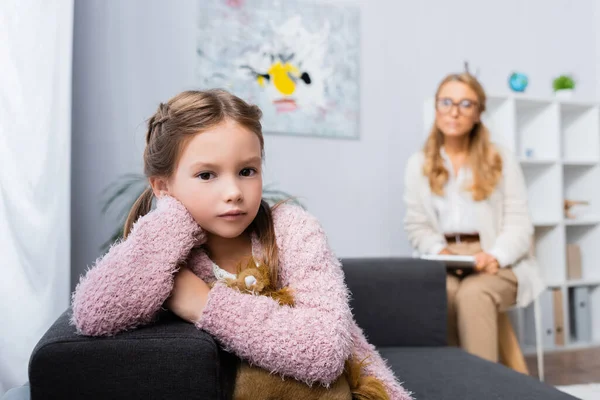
[569,367]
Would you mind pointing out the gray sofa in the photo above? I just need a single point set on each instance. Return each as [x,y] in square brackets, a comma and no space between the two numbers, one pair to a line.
[400,303]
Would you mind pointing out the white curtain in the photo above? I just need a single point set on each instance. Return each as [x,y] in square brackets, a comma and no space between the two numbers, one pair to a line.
[35,152]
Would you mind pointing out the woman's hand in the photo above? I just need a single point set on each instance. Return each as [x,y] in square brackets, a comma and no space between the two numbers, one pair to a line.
[485,262]
[189,296]
[445,250]
[492,268]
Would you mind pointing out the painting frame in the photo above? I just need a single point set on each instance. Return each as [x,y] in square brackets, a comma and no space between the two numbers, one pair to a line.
[299,61]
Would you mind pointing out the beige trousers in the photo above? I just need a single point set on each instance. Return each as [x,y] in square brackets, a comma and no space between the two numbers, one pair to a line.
[473,305]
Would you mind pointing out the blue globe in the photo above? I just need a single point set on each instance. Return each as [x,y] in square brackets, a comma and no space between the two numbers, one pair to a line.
[518,82]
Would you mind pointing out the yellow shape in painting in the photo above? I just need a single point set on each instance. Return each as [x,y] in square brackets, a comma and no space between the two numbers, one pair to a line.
[280,73]
[261,81]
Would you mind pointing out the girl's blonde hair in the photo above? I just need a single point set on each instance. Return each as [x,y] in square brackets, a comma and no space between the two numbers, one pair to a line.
[170,128]
[484,160]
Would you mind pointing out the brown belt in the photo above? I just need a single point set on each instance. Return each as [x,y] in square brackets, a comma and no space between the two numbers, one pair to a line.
[462,237]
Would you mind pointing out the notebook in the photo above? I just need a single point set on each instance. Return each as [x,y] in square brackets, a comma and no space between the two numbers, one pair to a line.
[451,261]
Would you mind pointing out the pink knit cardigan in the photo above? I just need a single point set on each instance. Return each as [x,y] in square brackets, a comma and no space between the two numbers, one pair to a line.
[310,342]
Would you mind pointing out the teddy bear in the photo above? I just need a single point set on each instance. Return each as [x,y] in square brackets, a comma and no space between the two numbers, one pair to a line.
[256,383]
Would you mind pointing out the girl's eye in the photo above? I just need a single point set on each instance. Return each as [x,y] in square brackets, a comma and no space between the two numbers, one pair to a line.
[205,176]
[248,172]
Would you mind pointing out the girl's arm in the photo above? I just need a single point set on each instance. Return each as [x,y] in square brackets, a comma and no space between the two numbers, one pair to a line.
[376,366]
[129,284]
[421,234]
[309,342]
[515,236]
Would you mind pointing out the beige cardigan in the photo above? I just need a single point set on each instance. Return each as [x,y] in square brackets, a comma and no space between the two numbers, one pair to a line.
[504,223]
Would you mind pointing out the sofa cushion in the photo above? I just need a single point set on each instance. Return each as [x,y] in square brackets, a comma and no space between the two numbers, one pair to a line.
[448,373]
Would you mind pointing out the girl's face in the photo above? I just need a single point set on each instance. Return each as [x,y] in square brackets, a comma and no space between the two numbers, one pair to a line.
[219,179]
[457,109]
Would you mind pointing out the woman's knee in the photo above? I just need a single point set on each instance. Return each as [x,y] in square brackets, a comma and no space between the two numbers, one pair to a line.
[473,290]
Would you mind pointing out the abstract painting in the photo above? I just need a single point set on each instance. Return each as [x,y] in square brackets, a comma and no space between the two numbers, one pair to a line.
[297,60]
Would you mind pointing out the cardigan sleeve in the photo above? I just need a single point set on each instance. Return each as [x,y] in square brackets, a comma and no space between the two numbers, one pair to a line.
[514,239]
[127,286]
[310,341]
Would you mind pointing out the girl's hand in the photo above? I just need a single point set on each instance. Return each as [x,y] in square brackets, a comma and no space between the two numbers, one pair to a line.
[173,210]
[189,296]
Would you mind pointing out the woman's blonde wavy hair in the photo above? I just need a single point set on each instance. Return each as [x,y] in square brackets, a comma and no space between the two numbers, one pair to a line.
[483,159]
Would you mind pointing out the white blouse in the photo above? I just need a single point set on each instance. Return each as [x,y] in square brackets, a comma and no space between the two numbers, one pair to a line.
[456,208]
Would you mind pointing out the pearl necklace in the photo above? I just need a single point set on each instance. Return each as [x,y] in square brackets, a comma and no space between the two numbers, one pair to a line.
[221,274]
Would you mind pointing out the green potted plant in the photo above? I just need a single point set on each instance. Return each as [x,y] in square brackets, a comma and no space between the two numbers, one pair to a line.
[118,198]
[563,86]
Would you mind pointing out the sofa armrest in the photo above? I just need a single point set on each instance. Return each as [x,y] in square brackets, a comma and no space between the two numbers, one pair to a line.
[398,301]
[167,359]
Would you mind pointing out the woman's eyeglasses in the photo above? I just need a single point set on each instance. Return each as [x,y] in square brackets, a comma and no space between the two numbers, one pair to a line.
[465,107]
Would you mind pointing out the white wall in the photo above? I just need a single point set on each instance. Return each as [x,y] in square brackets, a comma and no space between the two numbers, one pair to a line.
[131,55]
[127,57]
[407,47]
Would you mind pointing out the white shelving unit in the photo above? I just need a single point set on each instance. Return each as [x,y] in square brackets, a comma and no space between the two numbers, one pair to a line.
[558,145]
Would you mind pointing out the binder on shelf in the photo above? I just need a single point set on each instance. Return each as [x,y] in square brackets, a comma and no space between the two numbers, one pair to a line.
[547,316]
[573,261]
[580,319]
[559,323]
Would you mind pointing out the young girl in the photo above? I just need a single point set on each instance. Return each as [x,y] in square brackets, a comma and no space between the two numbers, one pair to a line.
[203,158]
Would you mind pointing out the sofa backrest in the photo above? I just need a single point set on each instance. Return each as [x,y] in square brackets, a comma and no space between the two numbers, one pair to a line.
[398,301]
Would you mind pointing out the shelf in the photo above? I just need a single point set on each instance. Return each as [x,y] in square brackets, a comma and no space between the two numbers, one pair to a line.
[582,221]
[573,283]
[575,105]
[537,129]
[533,161]
[545,224]
[587,237]
[581,183]
[527,98]
[576,163]
[531,102]
[499,118]
[583,282]
[544,192]
[580,131]
[550,252]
